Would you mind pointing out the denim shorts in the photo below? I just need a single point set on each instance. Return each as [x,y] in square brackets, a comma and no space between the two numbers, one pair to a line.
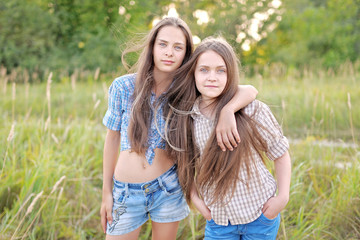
[160,199]
[260,229]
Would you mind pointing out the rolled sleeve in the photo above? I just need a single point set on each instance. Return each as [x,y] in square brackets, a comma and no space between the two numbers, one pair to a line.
[278,148]
[272,133]
[112,118]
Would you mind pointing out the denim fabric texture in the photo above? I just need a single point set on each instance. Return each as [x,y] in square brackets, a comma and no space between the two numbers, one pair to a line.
[260,229]
[161,199]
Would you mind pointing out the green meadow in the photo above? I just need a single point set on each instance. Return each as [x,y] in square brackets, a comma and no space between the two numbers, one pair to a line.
[52,140]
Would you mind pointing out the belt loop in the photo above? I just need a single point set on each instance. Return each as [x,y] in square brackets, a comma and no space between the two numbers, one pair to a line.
[126,189]
[160,182]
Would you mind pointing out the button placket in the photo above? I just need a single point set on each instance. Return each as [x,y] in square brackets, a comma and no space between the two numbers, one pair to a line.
[146,188]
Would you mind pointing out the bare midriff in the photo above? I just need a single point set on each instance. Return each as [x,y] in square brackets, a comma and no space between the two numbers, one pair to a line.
[134,168]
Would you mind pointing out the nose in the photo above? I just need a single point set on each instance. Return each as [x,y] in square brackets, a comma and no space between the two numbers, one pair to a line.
[212,76]
[169,52]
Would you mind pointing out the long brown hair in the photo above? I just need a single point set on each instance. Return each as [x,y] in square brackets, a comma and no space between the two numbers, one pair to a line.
[217,171]
[141,108]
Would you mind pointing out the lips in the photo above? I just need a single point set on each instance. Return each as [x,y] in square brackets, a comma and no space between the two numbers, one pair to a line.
[167,62]
[210,86]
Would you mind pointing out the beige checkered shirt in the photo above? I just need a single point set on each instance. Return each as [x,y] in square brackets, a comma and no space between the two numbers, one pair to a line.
[247,202]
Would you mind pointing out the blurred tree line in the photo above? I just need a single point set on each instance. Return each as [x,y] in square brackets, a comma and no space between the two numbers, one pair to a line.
[70,34]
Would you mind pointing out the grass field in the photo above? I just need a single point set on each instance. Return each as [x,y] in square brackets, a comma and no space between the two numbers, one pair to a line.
[51,156]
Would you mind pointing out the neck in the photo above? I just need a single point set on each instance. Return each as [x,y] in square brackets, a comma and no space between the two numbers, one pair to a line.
[207,108]
[162,82]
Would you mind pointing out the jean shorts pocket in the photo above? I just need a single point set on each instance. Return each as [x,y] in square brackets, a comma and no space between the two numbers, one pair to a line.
[267,221]
[210,222]
[171,185]
[119,193]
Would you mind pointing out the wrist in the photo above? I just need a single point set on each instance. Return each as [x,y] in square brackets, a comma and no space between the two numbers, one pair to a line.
[106,190]
[106,196]
[194,196]
[228,108]
[284,197]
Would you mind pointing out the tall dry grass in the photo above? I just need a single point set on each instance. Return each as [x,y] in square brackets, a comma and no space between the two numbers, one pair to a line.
[51,175]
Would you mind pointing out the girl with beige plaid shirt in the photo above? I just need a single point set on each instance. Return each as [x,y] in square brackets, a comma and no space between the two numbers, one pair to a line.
[233,190]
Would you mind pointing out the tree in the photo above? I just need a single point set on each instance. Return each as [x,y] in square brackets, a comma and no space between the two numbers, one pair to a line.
[323,33]
[25,40]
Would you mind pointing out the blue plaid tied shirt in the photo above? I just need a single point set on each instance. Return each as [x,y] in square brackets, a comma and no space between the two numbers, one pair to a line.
[117,117]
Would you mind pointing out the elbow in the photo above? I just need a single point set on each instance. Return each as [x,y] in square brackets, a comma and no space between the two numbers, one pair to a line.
[254,92]
[113,135]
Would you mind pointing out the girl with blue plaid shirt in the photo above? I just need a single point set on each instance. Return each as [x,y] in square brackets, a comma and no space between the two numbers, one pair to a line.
[140,181]
[233,190]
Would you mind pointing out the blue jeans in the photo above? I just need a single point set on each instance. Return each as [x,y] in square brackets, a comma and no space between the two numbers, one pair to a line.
[260,229]
[160,199]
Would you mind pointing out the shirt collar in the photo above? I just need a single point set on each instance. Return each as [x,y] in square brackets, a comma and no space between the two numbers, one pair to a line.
[196,110]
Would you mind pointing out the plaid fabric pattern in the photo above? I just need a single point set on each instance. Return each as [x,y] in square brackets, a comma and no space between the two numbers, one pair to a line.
[246,204]
[117,116]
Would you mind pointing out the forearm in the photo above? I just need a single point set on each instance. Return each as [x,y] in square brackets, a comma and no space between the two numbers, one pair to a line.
[227,134]
[110,156]
[199,203]
[245,94]
[193,192]
[283,175]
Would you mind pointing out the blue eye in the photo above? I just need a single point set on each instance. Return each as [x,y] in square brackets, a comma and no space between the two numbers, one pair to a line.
[222,70]
[204,70]
[178,48]
[162,44]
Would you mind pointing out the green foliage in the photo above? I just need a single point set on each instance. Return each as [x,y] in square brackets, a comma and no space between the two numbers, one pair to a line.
[25,40]
[64,35]
[232,19]
[322,33]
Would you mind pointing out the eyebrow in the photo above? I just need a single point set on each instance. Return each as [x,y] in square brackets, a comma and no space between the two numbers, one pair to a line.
[162,40]
[220,66]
